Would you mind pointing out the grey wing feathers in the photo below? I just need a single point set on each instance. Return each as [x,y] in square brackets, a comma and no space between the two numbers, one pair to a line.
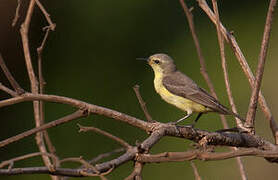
[179,84]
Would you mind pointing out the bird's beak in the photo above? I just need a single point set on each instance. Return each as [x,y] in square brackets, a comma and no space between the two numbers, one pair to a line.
[143,59]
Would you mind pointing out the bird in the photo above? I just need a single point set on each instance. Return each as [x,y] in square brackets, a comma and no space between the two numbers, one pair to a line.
[177,89]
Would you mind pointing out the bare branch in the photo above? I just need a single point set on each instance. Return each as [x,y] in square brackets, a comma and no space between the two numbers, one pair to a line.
[159,129]
[86,165]
[11,161]
[203,68]
[136,173]
[244,65]
[46,15]
[9,76]
[16,16]
[57,122]
[104,155]
[196,173]
[7,90]
[80,105]
[227,83]
[202,155]
[142,103]
[24,30]
[97,130]
[99,157]
[250,118]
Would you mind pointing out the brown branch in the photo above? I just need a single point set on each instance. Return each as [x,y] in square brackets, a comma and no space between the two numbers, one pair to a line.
[9,76]
[41,91]
[86,165]
[7,90]
[142,103]
[46,15]
[224,65]
[13,160]
[97,130]
[203,155]
[73,116]
[24,30]
[136,173]
[203,70]
[250,118]
[196,173]
[16,16]
[104,155]
[79,105]
[99,157]
[244,65]
[159,129]
[227,83]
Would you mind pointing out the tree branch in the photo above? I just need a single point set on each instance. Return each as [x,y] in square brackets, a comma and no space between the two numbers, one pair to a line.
[142,103]
[250,118]
[203,68]
[244,65]
[9,76]
[202,155]
[117,139]
[57,122]
[227,83]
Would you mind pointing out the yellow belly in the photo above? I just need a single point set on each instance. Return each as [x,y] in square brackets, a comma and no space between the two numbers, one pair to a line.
[178,101]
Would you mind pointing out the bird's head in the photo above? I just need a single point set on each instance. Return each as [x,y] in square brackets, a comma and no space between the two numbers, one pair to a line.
[161,63]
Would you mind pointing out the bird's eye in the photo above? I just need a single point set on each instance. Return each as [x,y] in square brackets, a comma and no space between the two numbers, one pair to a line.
[156,61]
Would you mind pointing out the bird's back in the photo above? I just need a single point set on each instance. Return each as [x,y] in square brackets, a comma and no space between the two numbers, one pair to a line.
[181,85]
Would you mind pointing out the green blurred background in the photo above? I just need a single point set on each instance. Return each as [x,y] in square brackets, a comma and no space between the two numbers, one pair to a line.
[91,56]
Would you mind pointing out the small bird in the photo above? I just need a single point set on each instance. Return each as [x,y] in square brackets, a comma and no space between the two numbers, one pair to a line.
[179,90]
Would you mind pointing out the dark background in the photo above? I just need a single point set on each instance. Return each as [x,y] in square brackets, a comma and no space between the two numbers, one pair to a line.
[91,57]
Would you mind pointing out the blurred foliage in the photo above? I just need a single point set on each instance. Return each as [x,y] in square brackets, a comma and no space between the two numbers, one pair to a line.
[91,57]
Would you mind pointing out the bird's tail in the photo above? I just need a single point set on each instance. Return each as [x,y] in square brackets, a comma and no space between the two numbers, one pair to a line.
[225,110]
[236,115]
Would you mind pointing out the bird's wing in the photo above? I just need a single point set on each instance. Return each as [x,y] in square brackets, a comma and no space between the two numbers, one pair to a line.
[182,85]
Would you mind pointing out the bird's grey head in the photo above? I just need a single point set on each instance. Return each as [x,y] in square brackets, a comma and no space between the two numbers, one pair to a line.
[162,63]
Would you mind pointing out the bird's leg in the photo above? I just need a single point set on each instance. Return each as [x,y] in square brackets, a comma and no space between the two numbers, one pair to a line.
[198,117]
[185,117]
[195,121]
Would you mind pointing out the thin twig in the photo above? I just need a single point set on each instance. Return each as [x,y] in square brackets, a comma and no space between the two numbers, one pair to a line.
[203,70]
[250,118]
[104,155]
[7,90]
[86,165]
[142,103]
[99,157]
[26,156]
[9,76]
[244,65]
[41,91]
[195,170]
[16,16]
[46,15]
[227,83]
[224,65]
[24,30]
[97,130]
[73,116]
